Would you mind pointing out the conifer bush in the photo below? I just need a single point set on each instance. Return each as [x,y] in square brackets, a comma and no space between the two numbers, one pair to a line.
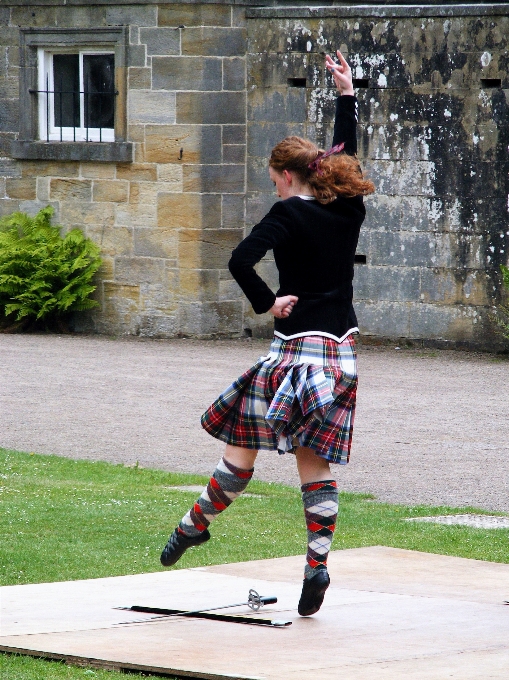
[43,276]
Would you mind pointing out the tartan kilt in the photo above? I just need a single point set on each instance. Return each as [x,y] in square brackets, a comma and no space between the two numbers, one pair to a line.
[301,394]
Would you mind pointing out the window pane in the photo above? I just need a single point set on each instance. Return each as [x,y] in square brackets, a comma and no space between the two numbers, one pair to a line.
[99,85]
[66,84]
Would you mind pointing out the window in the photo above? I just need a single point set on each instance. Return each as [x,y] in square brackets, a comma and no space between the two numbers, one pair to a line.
[73,90]
[76,96]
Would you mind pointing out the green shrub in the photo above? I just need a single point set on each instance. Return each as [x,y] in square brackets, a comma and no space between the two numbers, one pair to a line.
[43,276]
[502,317]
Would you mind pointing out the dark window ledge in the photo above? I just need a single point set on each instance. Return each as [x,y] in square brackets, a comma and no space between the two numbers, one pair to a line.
[106,152]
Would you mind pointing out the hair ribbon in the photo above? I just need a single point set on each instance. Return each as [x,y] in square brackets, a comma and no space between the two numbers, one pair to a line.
[315,165]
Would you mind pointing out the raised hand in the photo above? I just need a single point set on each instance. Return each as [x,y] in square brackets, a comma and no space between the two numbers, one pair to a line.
[341,72]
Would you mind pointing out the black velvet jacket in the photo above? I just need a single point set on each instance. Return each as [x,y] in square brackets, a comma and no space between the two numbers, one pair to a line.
[314,247]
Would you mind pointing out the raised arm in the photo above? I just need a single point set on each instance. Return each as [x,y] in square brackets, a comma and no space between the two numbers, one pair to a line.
[345,124]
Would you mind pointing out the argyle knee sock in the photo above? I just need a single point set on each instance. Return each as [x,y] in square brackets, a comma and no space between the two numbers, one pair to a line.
[320,509]
[225,485]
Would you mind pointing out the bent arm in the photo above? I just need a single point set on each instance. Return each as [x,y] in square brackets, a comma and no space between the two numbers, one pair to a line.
[270,232]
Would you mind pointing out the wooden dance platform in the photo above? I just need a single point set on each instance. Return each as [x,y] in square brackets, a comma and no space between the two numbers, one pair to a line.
[389,614]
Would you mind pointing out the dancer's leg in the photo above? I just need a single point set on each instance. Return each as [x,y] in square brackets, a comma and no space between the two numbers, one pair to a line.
[228,481]
[320,499]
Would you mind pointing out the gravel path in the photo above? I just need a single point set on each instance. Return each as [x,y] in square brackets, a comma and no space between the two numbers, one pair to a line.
[432,427]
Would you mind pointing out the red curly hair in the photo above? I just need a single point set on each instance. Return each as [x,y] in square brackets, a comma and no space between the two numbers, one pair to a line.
[339,174]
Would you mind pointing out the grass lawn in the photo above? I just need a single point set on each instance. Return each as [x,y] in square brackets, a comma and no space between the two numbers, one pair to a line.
[62,519]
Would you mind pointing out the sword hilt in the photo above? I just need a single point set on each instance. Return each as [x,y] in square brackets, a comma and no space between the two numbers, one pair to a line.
[256,602]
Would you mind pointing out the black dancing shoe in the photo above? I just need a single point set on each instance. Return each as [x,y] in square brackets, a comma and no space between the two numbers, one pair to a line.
[313,592]
[178,543]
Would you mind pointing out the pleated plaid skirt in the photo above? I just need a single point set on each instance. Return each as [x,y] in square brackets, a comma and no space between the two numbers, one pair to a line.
[301,394]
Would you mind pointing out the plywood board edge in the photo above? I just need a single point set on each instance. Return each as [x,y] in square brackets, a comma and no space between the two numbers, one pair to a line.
[120,666]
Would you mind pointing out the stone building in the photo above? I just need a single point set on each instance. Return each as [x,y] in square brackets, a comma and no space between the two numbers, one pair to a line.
[175,167]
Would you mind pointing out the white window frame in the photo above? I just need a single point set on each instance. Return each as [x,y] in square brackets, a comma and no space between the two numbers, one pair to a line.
[46,102]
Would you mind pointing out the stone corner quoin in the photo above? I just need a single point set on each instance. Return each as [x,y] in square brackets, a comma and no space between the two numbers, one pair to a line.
[205,89]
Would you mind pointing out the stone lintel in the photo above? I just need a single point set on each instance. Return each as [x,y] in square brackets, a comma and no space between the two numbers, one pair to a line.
[382,11]
[107,152]
[308,4]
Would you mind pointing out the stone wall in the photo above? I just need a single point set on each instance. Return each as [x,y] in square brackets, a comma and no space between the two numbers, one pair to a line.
[168,221]
[211,86]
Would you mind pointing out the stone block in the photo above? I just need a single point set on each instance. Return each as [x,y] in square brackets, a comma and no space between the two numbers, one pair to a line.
[258,179]
[186,73]
[156,242]
[239,16]
[71,189]
[454,286]
[403,249]
[460,250]
[185,143]
[136,133]
[278,106]
[171,174]
[269,69]
[214,178]
[137,56]
[161,41]
[441,322]
[138,270]
[402,178]
[6,140]
[149,107]
[33,207]
[383,319]
[234,134]
[23,188]
[36,17]
[134,35]
[142,172]
[233,211]
[9,87]
[81,17]
[140,78]
[42,189]
[234,73]
[199,284]
[78,213]
[113,241]
[47,168]
[211,107]
[158,325]
[268,271]
[229,290]
[217,246]
[189,211]
[214,41]
[135,214]
[10,168]
[119,314]
[97,171]
[234,153]
[258,205]
[194,14]
[211,318]
[114,191]
[395,284]
[8,206]
[262,137]
[126,15]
